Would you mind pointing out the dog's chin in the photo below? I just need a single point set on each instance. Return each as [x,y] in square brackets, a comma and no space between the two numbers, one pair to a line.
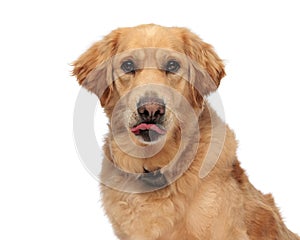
[149,137]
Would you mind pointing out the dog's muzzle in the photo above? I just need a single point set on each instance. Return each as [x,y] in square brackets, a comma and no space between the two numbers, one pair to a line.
[151,113]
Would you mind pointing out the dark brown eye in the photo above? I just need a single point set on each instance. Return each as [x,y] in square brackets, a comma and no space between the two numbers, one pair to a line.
[128,66]
[172,66]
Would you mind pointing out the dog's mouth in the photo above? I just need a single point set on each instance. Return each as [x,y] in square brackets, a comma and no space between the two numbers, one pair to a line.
[149,131]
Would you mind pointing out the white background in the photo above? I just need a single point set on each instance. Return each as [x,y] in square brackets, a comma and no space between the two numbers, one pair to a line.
[45,192]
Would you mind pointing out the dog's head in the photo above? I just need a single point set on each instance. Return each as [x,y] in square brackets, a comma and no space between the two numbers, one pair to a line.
[142,76]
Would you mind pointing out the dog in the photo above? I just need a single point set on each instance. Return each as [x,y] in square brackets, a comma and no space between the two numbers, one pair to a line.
[170,170]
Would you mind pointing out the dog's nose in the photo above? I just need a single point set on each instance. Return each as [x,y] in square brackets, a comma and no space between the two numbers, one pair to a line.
[151,109]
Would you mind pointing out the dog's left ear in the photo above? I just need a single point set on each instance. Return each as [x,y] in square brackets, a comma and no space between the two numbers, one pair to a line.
[93,68]
[206,68]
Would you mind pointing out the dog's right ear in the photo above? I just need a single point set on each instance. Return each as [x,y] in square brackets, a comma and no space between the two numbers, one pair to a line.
[93,68]
[206,68]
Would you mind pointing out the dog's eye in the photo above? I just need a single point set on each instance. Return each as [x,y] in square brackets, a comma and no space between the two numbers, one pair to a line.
[128,66]
[172,66]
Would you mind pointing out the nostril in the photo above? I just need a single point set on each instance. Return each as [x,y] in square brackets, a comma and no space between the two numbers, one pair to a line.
[157,113]
[142,110]
[160,111]
[146,113]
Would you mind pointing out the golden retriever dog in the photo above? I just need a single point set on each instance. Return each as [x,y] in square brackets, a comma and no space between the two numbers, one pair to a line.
[170,170]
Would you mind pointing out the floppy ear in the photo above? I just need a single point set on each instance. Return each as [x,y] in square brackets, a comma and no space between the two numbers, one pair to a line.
[206,68]
[93,68]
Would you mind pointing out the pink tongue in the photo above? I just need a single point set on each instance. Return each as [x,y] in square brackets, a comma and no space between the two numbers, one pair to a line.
[145,126]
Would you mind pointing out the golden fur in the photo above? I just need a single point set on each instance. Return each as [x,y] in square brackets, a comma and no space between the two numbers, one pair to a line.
[220,205]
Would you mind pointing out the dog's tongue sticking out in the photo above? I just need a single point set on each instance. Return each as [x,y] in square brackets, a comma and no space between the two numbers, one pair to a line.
[148,126]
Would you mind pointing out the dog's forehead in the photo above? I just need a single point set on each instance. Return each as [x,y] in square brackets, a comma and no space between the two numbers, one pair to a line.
[149,37]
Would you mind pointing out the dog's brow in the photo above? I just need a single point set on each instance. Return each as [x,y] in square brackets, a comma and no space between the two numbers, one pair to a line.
[149,57]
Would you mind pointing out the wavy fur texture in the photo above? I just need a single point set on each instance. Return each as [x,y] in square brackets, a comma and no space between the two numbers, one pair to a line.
[221,205]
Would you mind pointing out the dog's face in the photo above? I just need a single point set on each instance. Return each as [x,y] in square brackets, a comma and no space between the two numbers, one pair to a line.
[148,82]
[145,75]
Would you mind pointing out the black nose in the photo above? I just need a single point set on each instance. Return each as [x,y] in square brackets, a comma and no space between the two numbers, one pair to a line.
[151,109]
